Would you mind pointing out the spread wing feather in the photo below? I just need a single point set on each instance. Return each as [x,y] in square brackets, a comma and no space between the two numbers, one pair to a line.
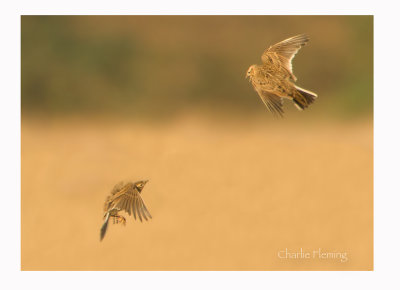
[128,199]
[142,209]
[286,50]
[273,102]
[138,209]
[145,210]
[133,207]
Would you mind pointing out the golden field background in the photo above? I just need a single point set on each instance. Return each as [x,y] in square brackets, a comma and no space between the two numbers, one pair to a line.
[222,197]
[164,98]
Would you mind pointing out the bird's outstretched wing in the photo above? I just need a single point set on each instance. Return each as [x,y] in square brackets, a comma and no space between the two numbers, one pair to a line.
[273,102]
[286,50]
[127,198]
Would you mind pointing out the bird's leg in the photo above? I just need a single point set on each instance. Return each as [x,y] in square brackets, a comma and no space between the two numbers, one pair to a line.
[120,219]
[115,217]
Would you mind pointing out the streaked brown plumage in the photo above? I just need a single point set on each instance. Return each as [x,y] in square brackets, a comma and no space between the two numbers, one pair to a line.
[124,196]
[273,79]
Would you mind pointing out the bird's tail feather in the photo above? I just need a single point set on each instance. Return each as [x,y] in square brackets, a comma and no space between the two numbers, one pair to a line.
[104,227]
[303,98]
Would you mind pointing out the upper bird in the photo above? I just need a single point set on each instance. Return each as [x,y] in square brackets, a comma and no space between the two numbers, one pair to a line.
[273,79]
[124,196]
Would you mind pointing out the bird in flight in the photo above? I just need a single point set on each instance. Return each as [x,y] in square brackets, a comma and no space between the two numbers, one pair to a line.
[273,80]
[124,196]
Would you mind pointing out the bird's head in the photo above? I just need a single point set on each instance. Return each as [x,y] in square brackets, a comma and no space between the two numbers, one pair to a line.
[250,71]
[140,184]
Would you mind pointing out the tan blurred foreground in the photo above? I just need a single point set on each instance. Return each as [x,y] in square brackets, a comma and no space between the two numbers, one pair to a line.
[222,197]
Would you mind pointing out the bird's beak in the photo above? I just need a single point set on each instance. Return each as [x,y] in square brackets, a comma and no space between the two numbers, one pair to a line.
[145,181]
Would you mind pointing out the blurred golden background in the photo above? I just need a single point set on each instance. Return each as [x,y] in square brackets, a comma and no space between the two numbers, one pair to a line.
[164,98]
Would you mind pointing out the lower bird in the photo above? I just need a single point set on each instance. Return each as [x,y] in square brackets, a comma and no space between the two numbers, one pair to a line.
[274,80]
[124,196]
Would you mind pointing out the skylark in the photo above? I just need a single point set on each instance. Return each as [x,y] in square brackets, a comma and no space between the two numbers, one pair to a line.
[124,196]
[274,80]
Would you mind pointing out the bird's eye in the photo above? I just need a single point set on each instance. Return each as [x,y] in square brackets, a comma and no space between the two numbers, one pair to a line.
[140,185]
